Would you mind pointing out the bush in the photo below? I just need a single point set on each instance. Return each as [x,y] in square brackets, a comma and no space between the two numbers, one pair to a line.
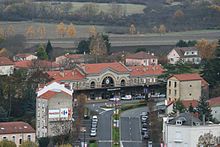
[28,144]
[6,143]
[92,141]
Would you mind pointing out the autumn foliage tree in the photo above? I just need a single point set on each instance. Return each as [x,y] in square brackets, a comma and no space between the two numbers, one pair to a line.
[178,14]
[61,29]
[30,32]
[28,144]
[42,31]
[6,143]
[206,48]
[10,30]
[2,32]
[162,29]
[132,29]
[92,31]
[71,30]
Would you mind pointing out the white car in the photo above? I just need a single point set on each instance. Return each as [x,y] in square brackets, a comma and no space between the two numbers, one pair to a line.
[126,97]
[114,99]
[94,118]
[93,132]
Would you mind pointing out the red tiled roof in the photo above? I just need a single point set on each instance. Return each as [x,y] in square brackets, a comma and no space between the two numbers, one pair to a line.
[23,55]
[141,55]
[188,77]
[36,63]
[66,75]
[187,103]
[49,94]
[214,101]
[23,64]
[146,70]
[15,128]
[99,67]
[5,61]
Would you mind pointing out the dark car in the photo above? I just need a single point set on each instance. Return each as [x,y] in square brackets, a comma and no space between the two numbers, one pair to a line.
[145,135]
[144,125]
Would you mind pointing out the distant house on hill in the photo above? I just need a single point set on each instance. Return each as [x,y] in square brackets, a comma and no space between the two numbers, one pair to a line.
[71,58]
[6,66]
[37,64]
[23,57]
[141,58]
[184,54]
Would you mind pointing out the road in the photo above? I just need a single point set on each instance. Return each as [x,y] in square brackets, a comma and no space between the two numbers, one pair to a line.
[104,129]
[130,128]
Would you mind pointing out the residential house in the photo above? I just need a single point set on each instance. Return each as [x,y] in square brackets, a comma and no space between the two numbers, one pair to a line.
[186,87]
[23,57]
[141,58]
[16,132]
[214,103]
[185,130]
[37,64]
[53,110]
[71,59]
[6,66]
[185,55]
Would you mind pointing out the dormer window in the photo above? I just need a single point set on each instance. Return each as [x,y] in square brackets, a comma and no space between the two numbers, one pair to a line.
[179,122]
[192,53]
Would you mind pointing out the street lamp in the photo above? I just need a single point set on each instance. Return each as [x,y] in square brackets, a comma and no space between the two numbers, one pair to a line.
[83,130]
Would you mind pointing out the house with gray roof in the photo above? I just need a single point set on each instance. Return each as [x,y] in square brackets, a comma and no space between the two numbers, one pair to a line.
[186,130]
[185,55]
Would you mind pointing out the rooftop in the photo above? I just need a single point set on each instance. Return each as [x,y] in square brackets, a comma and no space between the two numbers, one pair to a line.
[182,50]
[5,61]
[23,55]
[51,93]
[187,119]
[66,75]
[187,77]
[141,55]
[146,70]
[15,128]
[99,67]
[213,102]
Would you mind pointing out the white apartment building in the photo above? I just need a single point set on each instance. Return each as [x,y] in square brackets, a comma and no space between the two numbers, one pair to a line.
[6,66]
[53,110]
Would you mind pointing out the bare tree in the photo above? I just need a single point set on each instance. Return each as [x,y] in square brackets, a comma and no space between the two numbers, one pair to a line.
[206,48]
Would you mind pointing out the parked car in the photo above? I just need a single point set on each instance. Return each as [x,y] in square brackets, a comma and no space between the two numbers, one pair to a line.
[126,97]
[139,97]
[114,99]
[93,132]
[158,95]
[144,113]
[94,118]
[145,135]
[144,119]
[94,124]
[144,125]
[143,130]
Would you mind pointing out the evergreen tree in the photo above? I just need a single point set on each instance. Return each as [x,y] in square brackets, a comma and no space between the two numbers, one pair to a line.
[49,50]
[191,109]
[107,43]
[83,46]
[178,106]
[41,53]
[203,108]
[181,43]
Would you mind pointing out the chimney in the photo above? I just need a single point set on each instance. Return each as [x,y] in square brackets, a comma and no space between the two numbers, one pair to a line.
[152,54]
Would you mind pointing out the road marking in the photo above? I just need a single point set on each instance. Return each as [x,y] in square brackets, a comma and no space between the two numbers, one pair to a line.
[105,140]
[131,141]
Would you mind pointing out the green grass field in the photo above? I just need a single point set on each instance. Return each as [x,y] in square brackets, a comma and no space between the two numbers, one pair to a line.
[106,7]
